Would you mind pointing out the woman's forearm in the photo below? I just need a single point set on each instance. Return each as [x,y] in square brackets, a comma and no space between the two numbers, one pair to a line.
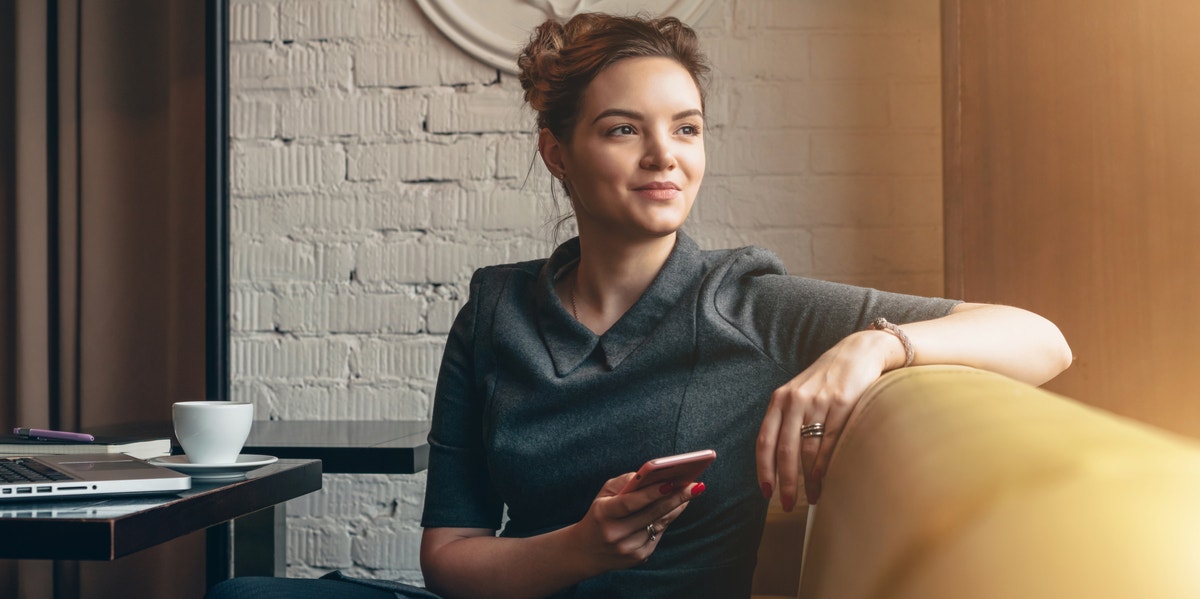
[469,563]
[1011,341]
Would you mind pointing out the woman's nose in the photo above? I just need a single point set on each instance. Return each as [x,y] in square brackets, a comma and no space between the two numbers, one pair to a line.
[658,154]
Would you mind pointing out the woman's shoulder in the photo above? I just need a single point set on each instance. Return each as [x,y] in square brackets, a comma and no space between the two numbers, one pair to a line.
[726,266]
[490,276]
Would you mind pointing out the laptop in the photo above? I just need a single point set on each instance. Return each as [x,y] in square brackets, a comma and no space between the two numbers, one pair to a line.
[84,475]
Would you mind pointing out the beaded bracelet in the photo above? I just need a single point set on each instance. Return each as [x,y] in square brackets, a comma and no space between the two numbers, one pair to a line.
[881,324]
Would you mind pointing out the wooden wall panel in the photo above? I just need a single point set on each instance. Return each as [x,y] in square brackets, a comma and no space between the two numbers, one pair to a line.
[1072,186]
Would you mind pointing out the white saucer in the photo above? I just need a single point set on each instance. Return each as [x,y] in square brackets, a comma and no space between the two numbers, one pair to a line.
[232,471]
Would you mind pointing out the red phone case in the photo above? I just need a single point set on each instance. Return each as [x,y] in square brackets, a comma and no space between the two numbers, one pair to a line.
[680,469]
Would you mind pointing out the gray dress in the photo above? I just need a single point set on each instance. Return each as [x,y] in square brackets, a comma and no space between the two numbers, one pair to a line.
[534,412]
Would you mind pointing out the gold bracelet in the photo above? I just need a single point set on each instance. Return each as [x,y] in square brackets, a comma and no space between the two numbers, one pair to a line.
[881,324]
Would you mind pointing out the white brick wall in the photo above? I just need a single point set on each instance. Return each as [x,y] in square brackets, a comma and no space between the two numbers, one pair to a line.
[375,166]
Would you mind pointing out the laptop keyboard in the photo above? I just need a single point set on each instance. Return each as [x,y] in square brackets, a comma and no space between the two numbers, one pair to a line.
[22,470]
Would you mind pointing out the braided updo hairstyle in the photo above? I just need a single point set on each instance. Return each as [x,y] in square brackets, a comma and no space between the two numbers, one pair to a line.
[561,59]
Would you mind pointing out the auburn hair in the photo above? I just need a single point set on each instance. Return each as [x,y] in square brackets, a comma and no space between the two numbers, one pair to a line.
[561,59]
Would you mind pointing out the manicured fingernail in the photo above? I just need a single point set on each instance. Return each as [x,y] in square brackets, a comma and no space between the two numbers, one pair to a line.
[666,488]
[698,489]
[766,489]
[788,502]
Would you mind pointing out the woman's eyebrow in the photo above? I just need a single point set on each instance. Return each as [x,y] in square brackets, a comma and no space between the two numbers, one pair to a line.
[637,116]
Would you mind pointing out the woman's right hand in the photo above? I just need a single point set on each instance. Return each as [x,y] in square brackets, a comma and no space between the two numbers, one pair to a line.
[615,532]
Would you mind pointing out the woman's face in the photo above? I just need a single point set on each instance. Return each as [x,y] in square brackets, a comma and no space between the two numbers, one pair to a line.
[636,159]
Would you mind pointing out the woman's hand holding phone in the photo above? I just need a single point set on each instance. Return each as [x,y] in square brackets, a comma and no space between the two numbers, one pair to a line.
[626,520]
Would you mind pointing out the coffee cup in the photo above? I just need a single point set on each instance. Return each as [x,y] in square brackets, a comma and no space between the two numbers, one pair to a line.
[212,432]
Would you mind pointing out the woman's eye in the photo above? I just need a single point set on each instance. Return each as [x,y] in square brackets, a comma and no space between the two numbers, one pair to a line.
[621,130]
[689,130]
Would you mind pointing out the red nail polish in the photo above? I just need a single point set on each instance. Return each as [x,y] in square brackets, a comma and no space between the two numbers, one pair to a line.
[698,489]
[766,490]
[666,488]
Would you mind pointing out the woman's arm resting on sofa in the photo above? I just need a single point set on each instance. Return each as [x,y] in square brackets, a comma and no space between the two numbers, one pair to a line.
[1002,339]
[1010,341]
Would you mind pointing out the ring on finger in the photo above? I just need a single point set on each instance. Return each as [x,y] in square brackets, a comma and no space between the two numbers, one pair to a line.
[816,429]
[652,532]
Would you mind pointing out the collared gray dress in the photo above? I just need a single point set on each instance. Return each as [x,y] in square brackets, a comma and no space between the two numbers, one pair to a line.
[534,412]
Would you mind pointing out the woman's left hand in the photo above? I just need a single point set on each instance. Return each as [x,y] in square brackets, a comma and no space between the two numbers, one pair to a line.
[825,392]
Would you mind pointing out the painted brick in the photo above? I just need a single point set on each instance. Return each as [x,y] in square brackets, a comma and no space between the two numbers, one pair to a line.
[897,250]
[758,152]
[347,497]
[377,115]
[441,315]
[809,104]
[815,14]
[401,358]
[251,310]
[401,209]
[479,110]
[283,260]
[350,19]
[793,246]
[282,358]
[294,167]
[250,118]
[323,19]
[251,22]
[293,66]
[337,311]
[771,55]
[756,202]
[862,56]
[877,153]
[498,208]
[319,544]
[383,401]
[396,262]
[456,260]
[465,158]
[430,60]
[517,157]
[381,548]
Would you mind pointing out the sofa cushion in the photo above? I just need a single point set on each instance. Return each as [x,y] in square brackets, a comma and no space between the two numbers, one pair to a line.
[950,480]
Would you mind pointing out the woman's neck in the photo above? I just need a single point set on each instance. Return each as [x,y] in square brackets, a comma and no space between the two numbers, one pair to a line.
[611,277]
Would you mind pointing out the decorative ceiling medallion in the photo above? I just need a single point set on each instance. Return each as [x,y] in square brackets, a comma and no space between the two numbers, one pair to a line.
[494,31]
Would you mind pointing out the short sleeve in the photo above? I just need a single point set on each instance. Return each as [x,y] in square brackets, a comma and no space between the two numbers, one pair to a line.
[458,492]
[796,319]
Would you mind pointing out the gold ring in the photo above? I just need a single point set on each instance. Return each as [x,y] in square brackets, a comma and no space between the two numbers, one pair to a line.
[816,429]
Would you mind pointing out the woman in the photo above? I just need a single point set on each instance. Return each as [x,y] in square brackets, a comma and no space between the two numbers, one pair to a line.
[561,376]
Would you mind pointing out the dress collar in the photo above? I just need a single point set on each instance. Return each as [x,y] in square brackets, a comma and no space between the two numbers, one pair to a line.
[570,343]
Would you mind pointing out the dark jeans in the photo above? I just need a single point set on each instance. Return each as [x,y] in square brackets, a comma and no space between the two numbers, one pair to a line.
[334,585]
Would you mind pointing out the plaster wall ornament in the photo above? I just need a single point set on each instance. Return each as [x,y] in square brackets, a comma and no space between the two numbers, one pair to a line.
[494,31]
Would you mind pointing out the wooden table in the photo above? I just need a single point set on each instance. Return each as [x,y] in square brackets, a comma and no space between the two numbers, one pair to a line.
[113,527]
[342,446]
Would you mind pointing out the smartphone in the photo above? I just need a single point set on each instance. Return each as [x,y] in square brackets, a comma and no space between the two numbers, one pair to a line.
[679,469]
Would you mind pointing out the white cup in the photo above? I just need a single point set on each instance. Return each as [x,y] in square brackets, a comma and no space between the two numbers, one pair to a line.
[212,432]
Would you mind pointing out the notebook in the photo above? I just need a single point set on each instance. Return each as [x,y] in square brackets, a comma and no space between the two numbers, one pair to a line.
[144,448]
[84,475]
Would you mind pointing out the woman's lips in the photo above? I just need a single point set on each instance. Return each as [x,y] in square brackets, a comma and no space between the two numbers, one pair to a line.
[658,190]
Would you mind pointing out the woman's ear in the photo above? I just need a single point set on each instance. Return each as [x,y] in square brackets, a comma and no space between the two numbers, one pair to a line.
[552,153]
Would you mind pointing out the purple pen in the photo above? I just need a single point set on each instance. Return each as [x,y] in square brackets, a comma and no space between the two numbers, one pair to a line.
[37,433]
